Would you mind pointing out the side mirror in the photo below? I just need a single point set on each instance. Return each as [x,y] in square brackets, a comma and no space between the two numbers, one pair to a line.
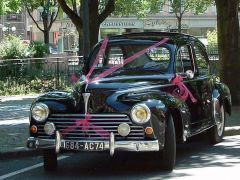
[190,74]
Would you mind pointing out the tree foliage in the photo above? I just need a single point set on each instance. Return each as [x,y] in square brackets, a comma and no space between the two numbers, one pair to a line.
[12,48]
[8,6]
[212,38]
[140,8]
[180,7]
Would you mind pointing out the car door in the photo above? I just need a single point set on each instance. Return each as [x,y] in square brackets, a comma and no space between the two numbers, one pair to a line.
[202,78]
[186,61]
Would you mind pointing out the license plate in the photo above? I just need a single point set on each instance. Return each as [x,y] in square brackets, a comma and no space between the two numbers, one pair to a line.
[84,146]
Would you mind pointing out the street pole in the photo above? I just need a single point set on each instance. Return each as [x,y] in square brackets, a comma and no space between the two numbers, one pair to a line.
[86,44]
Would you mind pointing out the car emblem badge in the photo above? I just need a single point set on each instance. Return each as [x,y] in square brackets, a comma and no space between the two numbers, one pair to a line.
[86,98]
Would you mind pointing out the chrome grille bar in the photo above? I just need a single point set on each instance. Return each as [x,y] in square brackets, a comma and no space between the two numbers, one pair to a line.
[105,122]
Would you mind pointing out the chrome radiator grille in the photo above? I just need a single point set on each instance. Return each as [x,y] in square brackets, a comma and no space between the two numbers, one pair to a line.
[104,122]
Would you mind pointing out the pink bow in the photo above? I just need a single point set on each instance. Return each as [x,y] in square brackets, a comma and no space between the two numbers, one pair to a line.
[183,91]
[74,78]
[85,123]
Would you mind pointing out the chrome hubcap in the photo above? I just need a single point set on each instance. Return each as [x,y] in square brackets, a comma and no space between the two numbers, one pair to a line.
[219,117]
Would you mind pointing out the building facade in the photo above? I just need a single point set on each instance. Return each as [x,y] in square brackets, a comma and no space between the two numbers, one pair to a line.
[15,23]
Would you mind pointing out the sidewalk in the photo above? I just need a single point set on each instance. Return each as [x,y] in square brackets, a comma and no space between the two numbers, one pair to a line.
[14,122]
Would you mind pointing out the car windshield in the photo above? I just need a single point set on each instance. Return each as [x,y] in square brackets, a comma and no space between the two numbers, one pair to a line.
[154,60]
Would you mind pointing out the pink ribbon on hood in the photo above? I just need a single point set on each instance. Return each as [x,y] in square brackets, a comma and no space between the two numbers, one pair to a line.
[183,92]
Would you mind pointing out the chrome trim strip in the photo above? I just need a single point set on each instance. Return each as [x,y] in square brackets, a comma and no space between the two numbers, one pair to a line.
[136,146]
[57,142]
[92,119]
[91,138]
[86,98]
[92,115]
[112,144]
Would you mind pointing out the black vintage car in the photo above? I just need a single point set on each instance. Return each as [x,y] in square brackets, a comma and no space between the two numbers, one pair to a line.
[141,92]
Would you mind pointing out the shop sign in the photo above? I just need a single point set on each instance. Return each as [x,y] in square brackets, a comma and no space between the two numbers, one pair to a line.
[157,24]
[119,23]
[163,24]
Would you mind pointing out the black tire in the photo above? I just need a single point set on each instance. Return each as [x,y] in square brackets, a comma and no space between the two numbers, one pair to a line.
[216,133]
[168,155]
[50,160]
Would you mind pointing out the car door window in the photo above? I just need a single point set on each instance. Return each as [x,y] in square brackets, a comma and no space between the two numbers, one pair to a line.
[184,58]
[179,64]
[201,60]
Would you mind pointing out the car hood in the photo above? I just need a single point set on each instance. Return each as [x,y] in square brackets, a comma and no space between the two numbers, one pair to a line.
[105,94]
[129,82]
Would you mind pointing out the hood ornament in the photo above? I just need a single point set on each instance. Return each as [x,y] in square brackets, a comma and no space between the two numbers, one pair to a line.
[86,98]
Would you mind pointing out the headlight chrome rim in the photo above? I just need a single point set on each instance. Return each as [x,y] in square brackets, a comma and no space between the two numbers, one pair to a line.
[146,108]
[36,114]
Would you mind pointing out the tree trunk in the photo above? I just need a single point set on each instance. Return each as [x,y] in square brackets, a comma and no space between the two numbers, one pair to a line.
[46,36]
[94,30]
[228,32]
[179,19]
[94,23]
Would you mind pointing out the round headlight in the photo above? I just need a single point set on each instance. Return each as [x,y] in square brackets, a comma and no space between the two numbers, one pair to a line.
[140,113]
[40,112]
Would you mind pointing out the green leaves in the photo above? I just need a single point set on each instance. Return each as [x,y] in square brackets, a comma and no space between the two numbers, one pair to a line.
[8,6]
[196,6]
[12,48]
[140,8]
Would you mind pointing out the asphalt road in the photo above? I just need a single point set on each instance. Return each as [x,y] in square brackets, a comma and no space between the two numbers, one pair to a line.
[195,160]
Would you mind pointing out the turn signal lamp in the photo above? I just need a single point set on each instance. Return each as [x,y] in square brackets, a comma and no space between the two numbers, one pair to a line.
[34,129]
[148,130]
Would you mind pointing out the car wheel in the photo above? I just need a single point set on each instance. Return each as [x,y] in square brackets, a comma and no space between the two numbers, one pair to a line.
[216,133]
[50,160]
[168,155]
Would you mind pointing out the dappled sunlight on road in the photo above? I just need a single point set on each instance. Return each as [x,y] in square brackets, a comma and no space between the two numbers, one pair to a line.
[195,160]
[14,109]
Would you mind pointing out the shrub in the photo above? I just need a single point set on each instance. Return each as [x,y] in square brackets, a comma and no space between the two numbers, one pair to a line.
[13,48]
[38,49]
[212,38]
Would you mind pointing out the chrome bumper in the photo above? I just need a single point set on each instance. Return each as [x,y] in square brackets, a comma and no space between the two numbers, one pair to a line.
[111,145]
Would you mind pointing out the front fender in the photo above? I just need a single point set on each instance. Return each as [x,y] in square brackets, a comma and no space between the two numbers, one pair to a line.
[163,105]
[59,101]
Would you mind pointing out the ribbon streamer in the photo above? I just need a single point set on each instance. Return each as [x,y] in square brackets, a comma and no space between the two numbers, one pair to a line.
[86,125]
[183,93]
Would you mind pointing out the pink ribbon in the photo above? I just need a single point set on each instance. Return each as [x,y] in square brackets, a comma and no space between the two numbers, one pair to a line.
[182,91]
[101,52]
[86,125]
[118,66]
[74,78]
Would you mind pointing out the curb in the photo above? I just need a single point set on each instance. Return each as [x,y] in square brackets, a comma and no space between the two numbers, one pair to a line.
[231,131]
[25,152]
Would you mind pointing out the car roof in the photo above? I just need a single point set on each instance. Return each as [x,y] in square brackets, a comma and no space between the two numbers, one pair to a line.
[154,36]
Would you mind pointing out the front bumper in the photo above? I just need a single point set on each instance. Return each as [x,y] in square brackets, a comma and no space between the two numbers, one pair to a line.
[111,145]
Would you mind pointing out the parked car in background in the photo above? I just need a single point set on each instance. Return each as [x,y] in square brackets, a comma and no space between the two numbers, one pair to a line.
[142,92]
